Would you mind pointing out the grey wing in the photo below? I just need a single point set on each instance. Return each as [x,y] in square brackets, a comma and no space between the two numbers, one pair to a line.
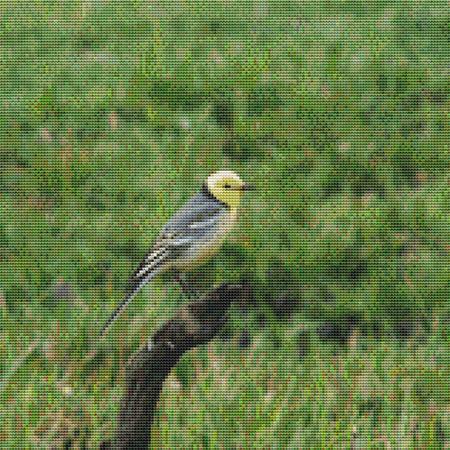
[199,213]
[191,223]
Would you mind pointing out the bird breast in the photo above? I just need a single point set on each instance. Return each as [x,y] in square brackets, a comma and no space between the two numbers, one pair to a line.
[209,246]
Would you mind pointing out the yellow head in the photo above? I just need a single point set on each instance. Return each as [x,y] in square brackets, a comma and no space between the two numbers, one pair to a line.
[227,187]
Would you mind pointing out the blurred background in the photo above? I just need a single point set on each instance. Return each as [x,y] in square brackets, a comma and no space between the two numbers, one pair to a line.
[113,113]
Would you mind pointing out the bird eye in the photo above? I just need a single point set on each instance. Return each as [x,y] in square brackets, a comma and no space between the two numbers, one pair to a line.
[227,186]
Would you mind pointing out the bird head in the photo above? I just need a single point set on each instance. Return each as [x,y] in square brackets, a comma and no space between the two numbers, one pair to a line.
[227,187]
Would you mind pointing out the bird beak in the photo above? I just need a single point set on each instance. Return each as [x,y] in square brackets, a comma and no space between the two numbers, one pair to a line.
[248,187]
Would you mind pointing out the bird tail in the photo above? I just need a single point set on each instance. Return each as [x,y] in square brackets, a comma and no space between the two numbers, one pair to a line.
[149,268]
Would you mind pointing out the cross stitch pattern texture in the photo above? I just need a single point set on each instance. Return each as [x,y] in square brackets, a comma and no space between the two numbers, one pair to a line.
[322,319]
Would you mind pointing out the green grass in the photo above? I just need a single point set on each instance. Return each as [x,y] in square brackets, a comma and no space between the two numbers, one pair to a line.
[112,115]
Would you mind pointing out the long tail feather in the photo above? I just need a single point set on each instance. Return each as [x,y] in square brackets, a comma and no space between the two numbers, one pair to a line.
[144,274]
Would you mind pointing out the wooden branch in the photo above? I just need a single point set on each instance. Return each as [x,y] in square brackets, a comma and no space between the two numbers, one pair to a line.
[193,324]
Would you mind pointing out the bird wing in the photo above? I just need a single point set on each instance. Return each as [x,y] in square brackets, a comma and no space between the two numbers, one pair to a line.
[200,213]
[187,226]
[193,222]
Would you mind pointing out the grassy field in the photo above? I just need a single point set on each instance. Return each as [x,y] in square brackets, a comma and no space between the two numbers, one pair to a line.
[113,113]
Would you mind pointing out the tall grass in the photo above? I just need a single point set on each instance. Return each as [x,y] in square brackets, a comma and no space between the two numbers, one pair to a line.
[112,115]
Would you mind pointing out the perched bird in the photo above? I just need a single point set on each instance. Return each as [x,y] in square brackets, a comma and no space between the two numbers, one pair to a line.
[192,235]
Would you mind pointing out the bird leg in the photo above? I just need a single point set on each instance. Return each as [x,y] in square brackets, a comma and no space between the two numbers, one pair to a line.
[185,289]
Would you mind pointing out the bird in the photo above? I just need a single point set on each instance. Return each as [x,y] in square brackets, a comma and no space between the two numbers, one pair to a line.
[192,236]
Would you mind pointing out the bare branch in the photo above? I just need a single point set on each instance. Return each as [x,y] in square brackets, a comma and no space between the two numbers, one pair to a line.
[193,324]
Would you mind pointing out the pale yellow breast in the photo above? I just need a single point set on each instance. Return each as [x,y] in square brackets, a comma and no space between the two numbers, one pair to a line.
[205,250]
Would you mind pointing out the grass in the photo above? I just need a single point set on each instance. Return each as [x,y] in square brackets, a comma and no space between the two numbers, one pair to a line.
[112,115]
